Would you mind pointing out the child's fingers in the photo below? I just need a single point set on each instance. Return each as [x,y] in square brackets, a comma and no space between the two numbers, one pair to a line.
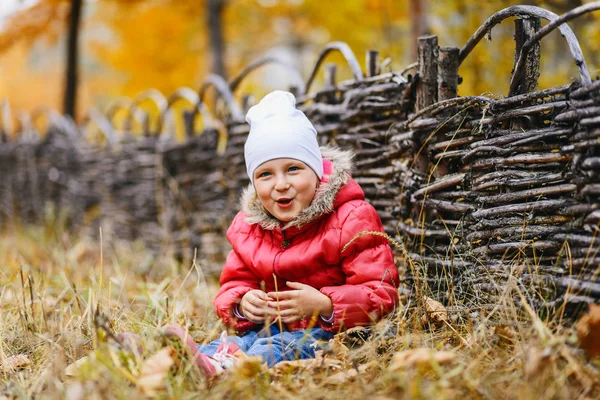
[252,312]
[291,318]
[257,308]
[290,294]
[258,315]
[256,302]
[290,313]
[260,295]
[254,318]
[281,304]
[297,285]
[257,294]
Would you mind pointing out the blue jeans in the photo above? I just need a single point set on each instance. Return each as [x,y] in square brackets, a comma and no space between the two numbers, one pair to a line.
[275,346]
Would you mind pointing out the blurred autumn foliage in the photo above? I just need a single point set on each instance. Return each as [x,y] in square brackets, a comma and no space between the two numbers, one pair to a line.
[127,46]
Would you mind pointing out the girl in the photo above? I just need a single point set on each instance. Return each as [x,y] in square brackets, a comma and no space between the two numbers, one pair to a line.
[305,263]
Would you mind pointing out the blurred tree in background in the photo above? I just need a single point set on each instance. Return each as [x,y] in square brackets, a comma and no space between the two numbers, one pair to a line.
[127,46]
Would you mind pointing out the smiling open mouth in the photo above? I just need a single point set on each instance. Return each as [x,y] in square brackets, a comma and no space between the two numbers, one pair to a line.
[284,202]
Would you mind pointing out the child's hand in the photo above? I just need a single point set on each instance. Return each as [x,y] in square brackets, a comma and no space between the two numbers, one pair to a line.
[304,302]
[254,306]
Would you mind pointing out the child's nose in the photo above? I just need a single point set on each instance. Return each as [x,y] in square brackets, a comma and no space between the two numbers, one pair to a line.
[281,183]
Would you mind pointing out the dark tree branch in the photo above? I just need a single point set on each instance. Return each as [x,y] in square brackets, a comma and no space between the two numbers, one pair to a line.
[70,95]
[215,29]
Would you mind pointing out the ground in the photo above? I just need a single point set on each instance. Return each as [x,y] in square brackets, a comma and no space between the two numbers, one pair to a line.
[64,297]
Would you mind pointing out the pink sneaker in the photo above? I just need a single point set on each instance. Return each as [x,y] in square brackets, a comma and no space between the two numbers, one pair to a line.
[228,352]
[209,367]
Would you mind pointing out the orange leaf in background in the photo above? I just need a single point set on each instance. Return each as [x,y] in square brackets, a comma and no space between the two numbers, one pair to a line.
[45,18]
[128,46]
[588,331]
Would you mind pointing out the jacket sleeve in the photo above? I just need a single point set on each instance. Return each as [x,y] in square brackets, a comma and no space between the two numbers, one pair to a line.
[236,280]
[370,291]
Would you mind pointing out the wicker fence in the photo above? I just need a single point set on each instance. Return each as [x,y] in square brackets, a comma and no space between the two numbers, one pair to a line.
[490,197]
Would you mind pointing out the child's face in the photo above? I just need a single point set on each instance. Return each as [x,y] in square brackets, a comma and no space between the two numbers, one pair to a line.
[285,187]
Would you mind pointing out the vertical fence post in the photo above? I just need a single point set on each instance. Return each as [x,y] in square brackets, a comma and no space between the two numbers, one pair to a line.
[188,122]
[145,122]
[6,129]
[447,78]
[330,77]
[372,61]
[427,58]
[330,72]
[525,28]
[447,81]
[294,90]
[248,101]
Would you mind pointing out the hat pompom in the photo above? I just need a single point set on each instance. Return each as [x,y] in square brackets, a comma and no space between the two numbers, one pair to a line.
[275,104]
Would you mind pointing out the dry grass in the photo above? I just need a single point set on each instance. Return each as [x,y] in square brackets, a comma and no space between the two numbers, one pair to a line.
[63,297]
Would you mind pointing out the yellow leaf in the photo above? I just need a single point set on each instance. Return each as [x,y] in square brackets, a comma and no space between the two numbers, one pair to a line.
[344,376]
[11,364]
[154,370]
[421,357]
[436,310]
[72,368]
[249,367]
[340,351]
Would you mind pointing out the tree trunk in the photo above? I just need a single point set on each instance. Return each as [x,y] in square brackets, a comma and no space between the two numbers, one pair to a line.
[70,95]
[215,30]
[418,23]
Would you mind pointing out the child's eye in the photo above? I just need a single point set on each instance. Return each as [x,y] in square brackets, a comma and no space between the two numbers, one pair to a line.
[293,168]
[264,174]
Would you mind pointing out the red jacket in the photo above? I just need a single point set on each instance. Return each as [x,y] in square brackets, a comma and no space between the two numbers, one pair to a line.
[317,248]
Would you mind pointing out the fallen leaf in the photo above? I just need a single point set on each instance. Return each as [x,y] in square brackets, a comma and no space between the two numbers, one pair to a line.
[354,336]
[249,367]
[310,364]
[588,331]
[344,376]
[13,363]
[505,334]
[72,368]
[422,357]
[535,361]
[285,368]
[339,349]
[154,370]
[436,311]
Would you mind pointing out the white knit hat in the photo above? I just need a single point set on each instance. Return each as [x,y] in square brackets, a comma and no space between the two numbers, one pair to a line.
[279,130]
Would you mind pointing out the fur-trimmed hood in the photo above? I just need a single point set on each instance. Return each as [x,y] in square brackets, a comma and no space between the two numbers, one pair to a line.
[322,204]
